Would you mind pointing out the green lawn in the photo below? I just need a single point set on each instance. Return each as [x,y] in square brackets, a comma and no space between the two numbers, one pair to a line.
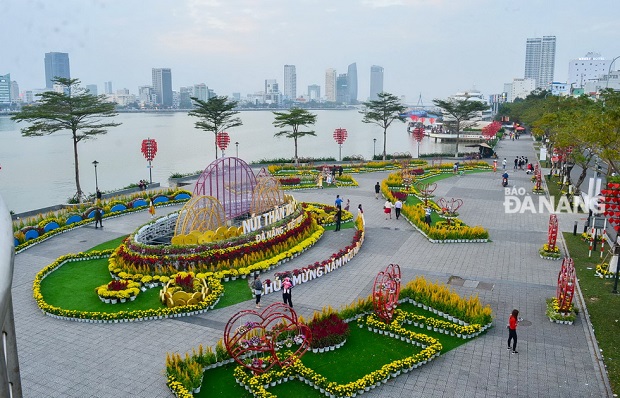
[363,353]
[72,287]
[603,306]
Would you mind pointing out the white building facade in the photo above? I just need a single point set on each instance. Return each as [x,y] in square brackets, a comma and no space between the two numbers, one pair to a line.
[540,60]
[330,85]
[290,82]
[591,67]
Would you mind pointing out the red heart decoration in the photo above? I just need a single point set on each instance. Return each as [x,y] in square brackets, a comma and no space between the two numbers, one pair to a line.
[617,228]
[252,339]
[385,292]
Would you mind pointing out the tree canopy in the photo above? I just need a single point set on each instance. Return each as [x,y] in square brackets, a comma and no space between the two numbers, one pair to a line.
[461,111]
[291,121]
[73,109]
[587,128]
[383,112]
[216,115]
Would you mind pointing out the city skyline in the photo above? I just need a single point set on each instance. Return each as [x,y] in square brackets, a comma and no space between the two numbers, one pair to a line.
[230,46]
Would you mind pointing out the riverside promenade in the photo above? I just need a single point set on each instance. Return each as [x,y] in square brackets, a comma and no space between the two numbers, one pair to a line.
[71,359]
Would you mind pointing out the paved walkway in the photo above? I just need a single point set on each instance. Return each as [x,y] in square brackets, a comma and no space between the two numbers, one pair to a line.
[69,359]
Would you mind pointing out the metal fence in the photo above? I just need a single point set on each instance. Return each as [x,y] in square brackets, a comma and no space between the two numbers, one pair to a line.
[10,382]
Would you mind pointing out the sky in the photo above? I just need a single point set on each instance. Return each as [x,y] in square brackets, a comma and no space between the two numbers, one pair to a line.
[428,48]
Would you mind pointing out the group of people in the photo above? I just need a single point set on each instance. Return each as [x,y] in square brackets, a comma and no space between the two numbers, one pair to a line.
[143,184]
[520,162]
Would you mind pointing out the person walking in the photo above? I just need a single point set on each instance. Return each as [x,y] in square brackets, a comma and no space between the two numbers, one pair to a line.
[377,190]
[504,164]
[360,214]
[151,208]
[257,285]
[512,331]
[287,285]
[494,165]
[348,204]
[397,207]
[338,217]
[98,218]
[516,162]
[387,209]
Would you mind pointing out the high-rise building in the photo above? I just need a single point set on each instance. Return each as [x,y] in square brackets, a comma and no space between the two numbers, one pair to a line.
[107,87]
[352,83]
[342,89]
[314,92]
[201,91]
[92,88]
[185,94]
[330,85]
[590,67]
[290,82]
[162,85]
[15,92]
[5,89]
[376,82]
[272,92]
[540,60]
[146,95]
[56,65]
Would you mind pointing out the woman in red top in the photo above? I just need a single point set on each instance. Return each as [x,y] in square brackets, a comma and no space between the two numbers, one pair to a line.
[512,330]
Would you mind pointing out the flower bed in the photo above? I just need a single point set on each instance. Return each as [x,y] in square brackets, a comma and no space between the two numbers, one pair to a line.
[318,269]
[430,347]
[549,254]
[603,272]
[453,232]
[562,317]
[43,227]
[216,290]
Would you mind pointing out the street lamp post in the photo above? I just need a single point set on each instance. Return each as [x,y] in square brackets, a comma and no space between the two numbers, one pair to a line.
[95,163]
[237,145]
[609,70]
[374,148]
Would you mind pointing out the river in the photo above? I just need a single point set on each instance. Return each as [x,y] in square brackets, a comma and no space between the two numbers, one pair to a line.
[38,171]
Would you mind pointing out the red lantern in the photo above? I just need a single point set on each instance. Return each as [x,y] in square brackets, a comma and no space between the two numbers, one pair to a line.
[422,119]
[340,135]
[414,118]
[222,140]
[432,120]
[149,149]
[418,134]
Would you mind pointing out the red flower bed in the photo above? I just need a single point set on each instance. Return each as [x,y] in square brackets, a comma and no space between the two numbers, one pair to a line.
[402,196]
[327,330]
[290,181]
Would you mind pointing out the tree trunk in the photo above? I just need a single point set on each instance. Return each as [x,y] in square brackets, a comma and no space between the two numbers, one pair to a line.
[296,159]
[384,143]
[580,180]
[215,142]
[458,136]
[77,167]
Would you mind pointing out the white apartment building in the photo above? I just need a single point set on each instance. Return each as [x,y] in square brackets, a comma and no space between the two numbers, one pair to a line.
[330,85]
[591,67]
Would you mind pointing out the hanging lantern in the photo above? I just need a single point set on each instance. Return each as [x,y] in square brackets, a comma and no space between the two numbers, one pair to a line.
[222,140]
[432,120]
[418,134]
[422,119]
[414,118]
[149,149]
[340,135]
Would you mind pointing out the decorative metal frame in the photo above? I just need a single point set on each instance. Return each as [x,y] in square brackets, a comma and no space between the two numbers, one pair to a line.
[566,285]
[552,235]
[450,206]
[385,292]
[231,181]
[426,190]
[267,194]
[254,338]
[200,213]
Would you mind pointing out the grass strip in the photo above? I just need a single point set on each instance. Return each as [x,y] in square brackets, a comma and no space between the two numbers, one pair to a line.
[603,305]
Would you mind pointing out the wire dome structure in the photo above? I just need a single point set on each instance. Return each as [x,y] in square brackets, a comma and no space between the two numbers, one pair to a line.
[231,181]
[267,193]
[200,213]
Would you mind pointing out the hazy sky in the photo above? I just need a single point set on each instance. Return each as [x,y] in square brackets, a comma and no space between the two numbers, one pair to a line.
[429,47]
